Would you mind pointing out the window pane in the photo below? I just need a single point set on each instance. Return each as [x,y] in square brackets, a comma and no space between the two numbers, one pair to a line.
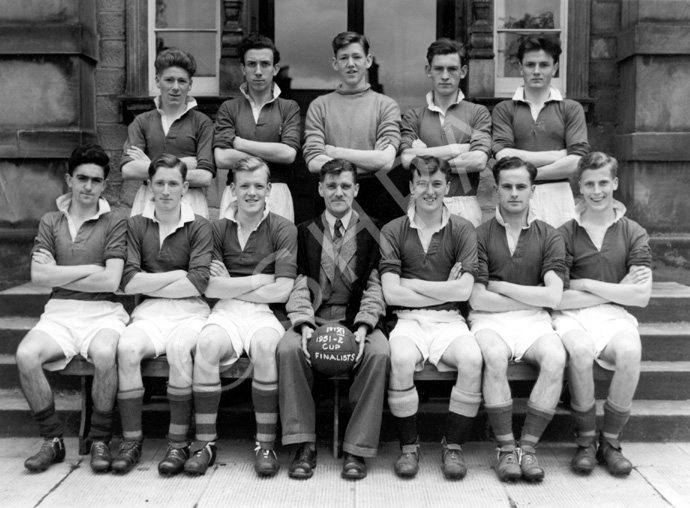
[400,31]
[199,14]
[303,36]
[529,14]
[508,44]
[201,45]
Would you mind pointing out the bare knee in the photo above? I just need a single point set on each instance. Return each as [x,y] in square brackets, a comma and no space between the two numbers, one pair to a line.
[471,361]
[553,359]
[130,352]
[103,354]
[264,349]
[495,360]
[402,363]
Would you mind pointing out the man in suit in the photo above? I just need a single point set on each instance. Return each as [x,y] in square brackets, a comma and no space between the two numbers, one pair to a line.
[338,255]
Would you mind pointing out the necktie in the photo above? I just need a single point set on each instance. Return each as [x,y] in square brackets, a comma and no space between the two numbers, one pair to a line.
[337,230]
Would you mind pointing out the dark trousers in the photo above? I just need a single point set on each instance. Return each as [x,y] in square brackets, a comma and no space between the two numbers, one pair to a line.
[295,380]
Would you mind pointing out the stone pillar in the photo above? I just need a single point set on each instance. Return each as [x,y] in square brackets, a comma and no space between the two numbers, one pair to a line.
[49,50]
[481,42]
[653,141]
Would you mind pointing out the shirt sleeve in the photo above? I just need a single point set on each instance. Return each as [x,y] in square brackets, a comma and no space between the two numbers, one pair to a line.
[135,137]
[224,133]
[200,253]
[639,252]
[116,240]
[389,122]
[45,238]
[502,134]
[133,262]
[204,145]
[390,249]
[314,131]
[553,255]
[465,237]
[566,233]
[290,132]
[217,226]
[409,130]
[482,255]
[576,130]
[285,245]
[480,140]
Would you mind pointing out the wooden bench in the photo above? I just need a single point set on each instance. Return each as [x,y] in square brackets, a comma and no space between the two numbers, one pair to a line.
[242,369]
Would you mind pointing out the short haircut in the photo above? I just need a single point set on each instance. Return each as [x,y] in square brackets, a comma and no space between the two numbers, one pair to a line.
[429,164]
[597,160]
[514,163]
[346,38]
[169,161]
[550,46]
[445,46]
[89,154]
[249,164]
[336,167]
[258,41]
[173,57]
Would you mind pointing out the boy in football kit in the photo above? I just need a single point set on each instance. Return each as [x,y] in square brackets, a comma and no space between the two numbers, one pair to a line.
[337,258]
[541,127]
[609,260]
[174,127]
[521,271]
[168,257]
[428,265]
[450,128]
[254,266]
[260,123]
[79,252]
[356,124]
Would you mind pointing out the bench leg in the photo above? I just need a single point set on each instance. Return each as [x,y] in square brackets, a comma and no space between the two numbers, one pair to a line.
[86,410]
[336,419]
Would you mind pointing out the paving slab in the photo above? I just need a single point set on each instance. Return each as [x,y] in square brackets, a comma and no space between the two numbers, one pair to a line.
[659,480]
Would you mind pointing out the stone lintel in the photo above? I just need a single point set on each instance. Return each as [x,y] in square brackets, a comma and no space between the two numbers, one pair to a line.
[654,146]
[48,40]
[43,144]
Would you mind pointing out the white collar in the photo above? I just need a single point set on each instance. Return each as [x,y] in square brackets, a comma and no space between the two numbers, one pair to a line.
[619,210]
[330,219]
[232,213]
[432,105]
[499,218]
[186,213]
[445,217]
[275,88]
[554,95]
[190,104]
[63,203]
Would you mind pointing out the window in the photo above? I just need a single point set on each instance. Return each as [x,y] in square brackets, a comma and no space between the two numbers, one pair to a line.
[193,27]
[513,21]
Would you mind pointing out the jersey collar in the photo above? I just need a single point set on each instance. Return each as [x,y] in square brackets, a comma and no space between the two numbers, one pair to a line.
[432,105]
[619,211]
[499,219]
[275,88]
[555,94]
[63,203]
[445,217]
[186,213]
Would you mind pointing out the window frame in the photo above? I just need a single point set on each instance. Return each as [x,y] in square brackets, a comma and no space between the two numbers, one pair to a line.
[506,86]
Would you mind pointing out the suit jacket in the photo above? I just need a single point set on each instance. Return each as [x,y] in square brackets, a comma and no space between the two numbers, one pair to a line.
[365,304]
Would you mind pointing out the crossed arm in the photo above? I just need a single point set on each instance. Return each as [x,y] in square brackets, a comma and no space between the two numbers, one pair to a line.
[551,164]
[138,168]
[367,161]
[634,290]
[459,156]
[270,152]
[257,288]
[501,296]
[417,293]
[172,284]
[87,278]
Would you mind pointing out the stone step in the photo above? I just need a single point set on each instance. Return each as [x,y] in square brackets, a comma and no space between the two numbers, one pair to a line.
[650,421]
[669,303]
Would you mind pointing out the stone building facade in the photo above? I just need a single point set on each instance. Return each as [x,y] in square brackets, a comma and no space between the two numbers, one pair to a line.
[73,71]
